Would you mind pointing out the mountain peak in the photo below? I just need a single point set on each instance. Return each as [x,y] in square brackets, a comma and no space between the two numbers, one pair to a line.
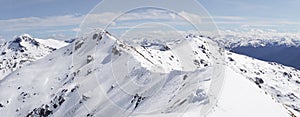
[24,49]
[22,42]
[26,38]
[25,35]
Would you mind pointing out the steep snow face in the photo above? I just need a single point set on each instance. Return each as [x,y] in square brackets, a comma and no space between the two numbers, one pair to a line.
[100,75]
[23,50]
[240,98]
[281,83]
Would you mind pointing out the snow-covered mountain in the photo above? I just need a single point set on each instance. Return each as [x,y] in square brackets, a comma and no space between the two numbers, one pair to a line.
[23,50]
[100,75]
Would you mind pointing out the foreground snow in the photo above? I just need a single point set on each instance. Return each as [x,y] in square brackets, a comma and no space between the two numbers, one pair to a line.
[239,98]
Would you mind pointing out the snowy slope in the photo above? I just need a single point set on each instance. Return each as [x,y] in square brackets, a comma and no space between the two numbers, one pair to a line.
[281,83]
[52,43]
[102,76]
[23,50]
[239,98]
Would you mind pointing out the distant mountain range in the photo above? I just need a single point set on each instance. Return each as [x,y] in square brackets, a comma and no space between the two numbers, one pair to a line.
[283,48]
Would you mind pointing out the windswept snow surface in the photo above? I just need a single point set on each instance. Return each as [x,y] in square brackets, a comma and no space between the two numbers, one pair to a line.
[52,43]
[99,75]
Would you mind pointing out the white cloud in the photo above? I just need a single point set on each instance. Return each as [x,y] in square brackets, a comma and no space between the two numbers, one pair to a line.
[1,39]
[283,25]
[58,36]
[228,18]
[260,23]
[113,17]
[38,22]
[52,22]
[130,20]
[193,18]
[76,29]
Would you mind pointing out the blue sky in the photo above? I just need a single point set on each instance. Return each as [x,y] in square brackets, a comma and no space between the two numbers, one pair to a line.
[61,18]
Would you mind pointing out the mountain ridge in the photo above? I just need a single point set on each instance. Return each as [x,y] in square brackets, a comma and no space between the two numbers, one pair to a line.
[92,70]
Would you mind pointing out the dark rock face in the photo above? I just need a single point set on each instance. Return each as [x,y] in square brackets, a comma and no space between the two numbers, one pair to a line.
[17,46]
[17,40]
